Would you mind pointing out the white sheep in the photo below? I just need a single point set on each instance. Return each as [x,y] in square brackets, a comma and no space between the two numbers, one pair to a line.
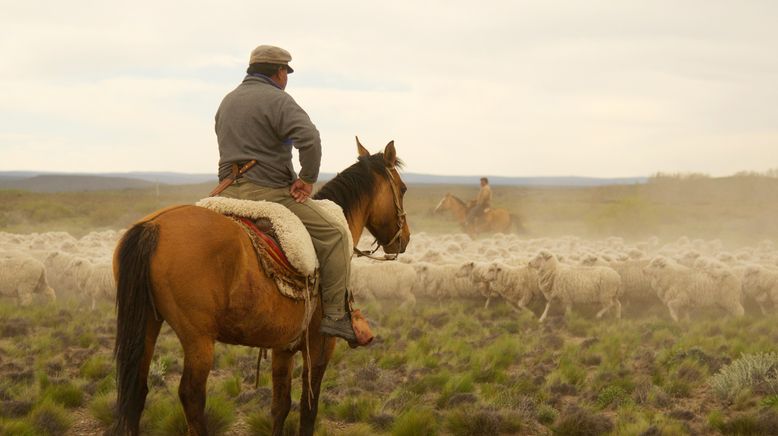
[576,284]
[635,283]
[94,279]
[390,280]
[517,285]
[761,284]
[442,281]
[22,276]
[59,270]
[477,272]
[681,288]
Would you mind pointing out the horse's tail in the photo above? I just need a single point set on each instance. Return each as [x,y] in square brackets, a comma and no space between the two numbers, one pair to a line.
[133,309]
[518,226]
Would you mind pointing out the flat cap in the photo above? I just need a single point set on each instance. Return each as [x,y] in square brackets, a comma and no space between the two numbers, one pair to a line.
[269,54]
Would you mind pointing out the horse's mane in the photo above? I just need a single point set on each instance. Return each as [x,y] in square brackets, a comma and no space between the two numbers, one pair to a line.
[349,188]
[458,200]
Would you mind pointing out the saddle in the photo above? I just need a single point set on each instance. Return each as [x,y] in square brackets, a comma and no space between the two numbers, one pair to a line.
[280,240]
[273,259]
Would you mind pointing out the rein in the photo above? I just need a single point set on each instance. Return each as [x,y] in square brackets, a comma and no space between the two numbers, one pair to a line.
[400,224]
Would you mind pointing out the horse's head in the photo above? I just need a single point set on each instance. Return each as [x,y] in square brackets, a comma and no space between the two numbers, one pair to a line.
[444,203]
[385,215]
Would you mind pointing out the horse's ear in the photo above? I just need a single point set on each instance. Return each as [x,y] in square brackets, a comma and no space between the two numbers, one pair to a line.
[361,150]
[390,155]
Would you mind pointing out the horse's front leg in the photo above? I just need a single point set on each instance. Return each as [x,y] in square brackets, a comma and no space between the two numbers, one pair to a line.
[283,361]
[321,348]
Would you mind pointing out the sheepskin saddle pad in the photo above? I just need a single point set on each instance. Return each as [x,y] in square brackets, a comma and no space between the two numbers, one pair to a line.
[280,239]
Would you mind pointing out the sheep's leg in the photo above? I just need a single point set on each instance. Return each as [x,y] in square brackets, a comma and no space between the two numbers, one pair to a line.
[761,299]
[568,310]
[545,311]
[618,308]
[605,309]
[674,306]
[488,297]
[736,309]
[524,302]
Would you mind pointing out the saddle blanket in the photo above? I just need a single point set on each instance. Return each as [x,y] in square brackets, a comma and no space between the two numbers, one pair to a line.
[291,233]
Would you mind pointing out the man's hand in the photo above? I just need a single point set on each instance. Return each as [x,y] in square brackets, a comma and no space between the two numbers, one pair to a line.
[300,190]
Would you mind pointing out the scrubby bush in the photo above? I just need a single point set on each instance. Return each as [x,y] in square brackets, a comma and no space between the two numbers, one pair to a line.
[547,414]
[49,418]
[473,422]
[157,372]
[612,396]
[758,372]
[577,421]
[764,423]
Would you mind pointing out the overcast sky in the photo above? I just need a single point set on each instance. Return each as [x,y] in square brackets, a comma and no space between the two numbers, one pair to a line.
[512,88]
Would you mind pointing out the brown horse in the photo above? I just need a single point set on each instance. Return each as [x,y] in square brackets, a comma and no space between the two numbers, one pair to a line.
[197,271]
[492,220]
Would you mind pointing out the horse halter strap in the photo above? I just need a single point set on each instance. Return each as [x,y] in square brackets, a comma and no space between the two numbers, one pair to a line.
[400,223]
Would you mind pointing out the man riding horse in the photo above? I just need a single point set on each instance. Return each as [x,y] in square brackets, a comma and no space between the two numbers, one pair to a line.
[259,121]
[482,202]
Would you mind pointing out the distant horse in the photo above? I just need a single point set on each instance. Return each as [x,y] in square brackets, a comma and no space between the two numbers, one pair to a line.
[197,270]
[492,220]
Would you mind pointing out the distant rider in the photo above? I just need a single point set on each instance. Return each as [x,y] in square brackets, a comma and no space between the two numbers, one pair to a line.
[482,202]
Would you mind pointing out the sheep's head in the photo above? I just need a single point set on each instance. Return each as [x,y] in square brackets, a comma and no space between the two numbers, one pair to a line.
[657,264]
[690,257]
[540,259]
[466,269]
[636,254]
[589,260]
[493,271]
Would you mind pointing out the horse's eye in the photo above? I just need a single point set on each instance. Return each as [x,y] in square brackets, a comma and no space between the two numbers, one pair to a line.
[403,190]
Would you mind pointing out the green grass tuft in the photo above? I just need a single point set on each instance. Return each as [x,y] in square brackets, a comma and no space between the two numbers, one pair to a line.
[577,421]
[65,394]
[103,408]
[417,422]
[50,419]
[473,422]
[96,368]
[232,386]
[357,409]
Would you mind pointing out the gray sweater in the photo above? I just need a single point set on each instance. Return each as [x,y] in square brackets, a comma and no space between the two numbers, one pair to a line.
[260,121]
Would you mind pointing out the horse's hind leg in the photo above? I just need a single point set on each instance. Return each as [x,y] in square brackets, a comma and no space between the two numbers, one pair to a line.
[198,359]
[320,353]
[282,388]
[152,332]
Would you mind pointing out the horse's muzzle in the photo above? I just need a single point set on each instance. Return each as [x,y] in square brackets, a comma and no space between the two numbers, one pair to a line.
[398,247]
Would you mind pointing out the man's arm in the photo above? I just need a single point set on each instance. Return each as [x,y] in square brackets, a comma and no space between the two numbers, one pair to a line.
[294,124]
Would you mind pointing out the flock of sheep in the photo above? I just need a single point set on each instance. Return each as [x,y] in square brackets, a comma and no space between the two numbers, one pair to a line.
[684,275]
[55,264]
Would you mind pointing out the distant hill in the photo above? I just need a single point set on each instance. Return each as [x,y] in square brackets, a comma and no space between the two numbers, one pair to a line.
[414,178]
[57,182]
[73,183]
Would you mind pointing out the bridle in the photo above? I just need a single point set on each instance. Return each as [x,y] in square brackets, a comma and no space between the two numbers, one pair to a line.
[400,224]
